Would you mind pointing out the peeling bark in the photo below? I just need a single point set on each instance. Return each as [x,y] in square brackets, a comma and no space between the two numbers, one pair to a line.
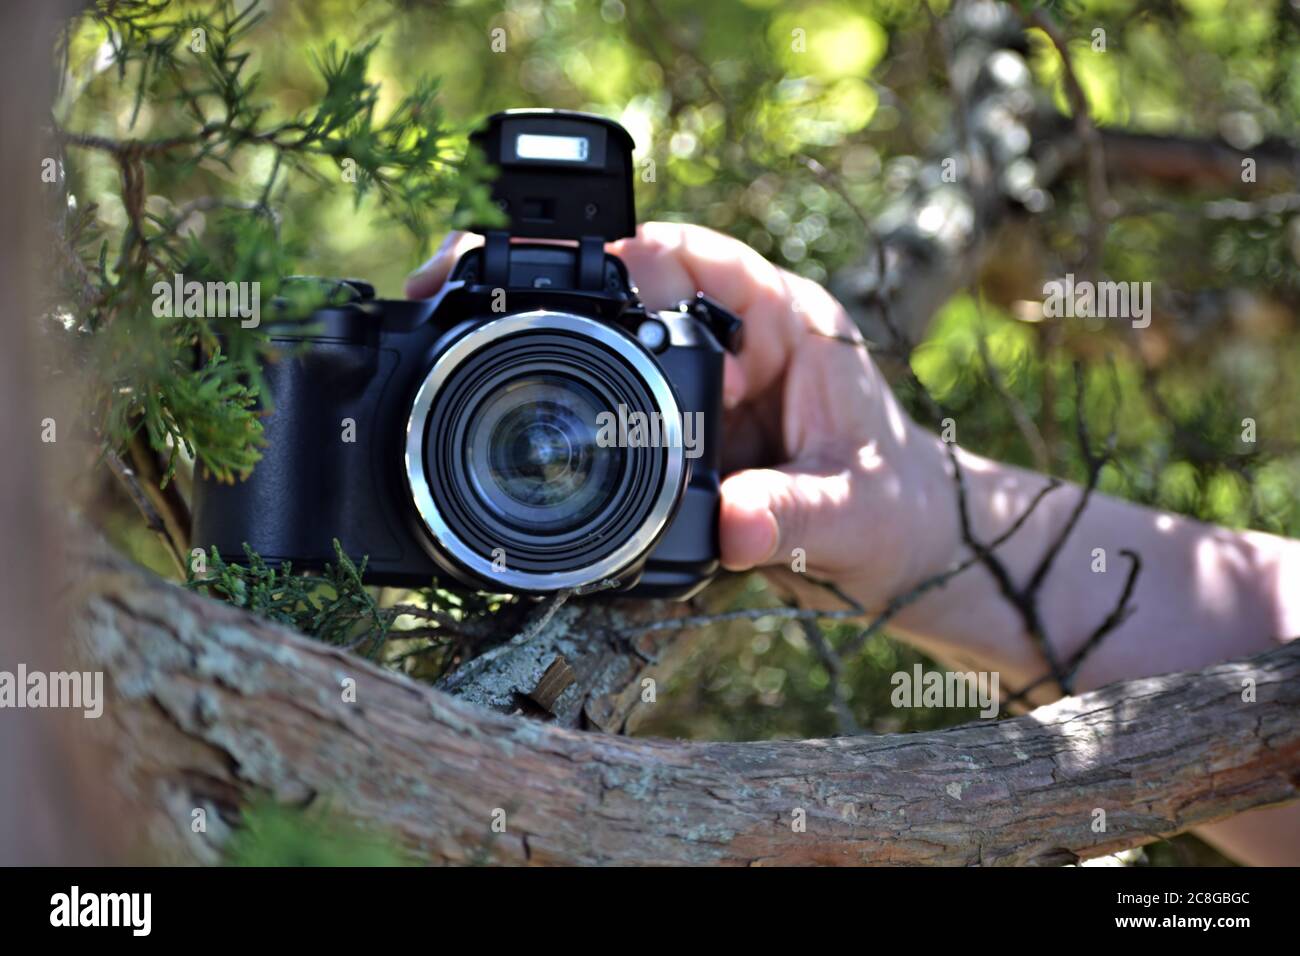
[609,661]
[209,707]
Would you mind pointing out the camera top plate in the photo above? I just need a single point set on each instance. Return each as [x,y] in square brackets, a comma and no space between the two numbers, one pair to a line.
[563,174]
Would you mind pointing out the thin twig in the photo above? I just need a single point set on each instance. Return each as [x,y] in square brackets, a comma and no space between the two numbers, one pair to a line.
[1097,195]
[1024,422]
[902,601]
[539,624]
[1123,610]
[531,630]
[1121,613]
[834,669]
[131,485]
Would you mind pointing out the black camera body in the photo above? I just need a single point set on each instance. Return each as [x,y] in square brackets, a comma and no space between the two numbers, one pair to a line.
[532,428]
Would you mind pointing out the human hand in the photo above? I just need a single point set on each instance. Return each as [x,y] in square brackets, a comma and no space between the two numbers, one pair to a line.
[821,456]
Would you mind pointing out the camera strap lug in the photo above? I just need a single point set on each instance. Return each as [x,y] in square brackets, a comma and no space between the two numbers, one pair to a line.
[496,258]
[591,263]
[725,325]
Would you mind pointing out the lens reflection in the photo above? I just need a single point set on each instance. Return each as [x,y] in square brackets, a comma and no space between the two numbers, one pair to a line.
[533,455]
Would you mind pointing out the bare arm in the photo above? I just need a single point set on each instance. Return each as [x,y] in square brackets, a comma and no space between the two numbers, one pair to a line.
[1204,594]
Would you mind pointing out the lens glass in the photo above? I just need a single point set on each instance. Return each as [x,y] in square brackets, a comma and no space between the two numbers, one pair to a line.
[511,442]
[533,455]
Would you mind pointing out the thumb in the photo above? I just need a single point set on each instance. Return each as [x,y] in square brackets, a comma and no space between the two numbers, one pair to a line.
[768,512]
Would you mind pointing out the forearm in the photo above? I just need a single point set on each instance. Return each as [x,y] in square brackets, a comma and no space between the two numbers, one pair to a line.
[1204,594]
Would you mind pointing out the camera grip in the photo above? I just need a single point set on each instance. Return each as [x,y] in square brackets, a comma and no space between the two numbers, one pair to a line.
[685,558]
[316,478]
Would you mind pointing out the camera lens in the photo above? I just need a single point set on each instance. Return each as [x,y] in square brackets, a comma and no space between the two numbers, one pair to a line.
[537,442]
[508,468]
[539,456]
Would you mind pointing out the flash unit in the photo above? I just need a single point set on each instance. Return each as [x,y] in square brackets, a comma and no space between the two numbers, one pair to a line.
[561,175]
[572,149]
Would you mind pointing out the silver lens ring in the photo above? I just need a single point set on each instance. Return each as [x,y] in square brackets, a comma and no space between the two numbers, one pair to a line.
[444,538]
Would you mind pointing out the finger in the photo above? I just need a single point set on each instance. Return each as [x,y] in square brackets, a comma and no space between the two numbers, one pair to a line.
[425,281]
[670,262]
[768,513]
[684,259]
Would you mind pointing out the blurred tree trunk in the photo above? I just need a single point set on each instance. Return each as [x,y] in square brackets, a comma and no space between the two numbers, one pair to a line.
[45,787]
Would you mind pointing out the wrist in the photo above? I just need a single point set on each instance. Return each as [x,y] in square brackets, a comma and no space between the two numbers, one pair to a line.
[934,525]
[915,533]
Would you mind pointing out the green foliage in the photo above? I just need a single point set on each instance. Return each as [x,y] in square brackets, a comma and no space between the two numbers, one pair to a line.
[334,606]
[275,835]
[338,608]
[763,681]
[203,158]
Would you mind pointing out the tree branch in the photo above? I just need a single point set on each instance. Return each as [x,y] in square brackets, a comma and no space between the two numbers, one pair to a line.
[209,707]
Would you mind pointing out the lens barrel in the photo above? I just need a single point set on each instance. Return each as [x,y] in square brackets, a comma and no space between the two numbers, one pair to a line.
[508,460]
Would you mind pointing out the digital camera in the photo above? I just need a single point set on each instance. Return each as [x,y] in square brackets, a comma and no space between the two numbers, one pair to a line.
[532,428]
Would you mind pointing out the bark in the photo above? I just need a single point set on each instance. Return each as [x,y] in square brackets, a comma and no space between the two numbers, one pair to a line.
[605,666]
[209,707]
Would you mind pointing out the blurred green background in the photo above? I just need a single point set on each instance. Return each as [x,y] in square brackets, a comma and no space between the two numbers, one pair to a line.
[726,110]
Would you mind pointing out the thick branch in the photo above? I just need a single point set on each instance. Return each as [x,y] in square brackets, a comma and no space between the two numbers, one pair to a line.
[934,238]
[208,707]
[1182,163]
